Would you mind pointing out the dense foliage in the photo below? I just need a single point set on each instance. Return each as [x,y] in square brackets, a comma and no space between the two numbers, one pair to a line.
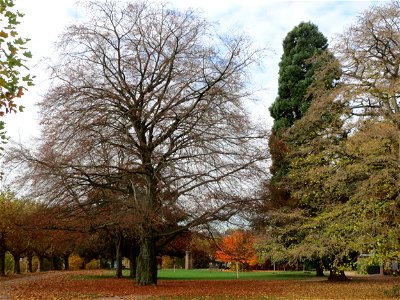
[296,71]
[238,248]
[301,47]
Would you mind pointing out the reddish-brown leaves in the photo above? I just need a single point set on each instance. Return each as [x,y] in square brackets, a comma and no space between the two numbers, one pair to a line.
[237,247]
[66,285]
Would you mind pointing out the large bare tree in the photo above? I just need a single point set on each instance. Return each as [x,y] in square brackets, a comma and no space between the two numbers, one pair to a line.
[147,103]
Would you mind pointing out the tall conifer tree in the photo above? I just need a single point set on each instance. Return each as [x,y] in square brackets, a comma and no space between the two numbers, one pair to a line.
[296,72]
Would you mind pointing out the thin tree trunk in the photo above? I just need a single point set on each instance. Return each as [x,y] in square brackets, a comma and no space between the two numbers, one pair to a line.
[66,261]
[237,270]
[132,260]
[381,269]
[2,261]
[30,265]
[17,268]
[83,265]
[118,248]
[320,268]
[146,270]
[40,265]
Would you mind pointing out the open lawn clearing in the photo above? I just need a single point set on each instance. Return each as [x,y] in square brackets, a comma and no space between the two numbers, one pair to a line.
[200,274]
[99,285]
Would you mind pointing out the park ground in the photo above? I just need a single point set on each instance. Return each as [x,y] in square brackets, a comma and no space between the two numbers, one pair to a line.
[195,285]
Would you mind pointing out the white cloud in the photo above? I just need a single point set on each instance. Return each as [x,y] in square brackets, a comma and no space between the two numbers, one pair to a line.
[267,22]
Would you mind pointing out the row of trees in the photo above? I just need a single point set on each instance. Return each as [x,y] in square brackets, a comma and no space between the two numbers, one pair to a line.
[29,230]
[334,192]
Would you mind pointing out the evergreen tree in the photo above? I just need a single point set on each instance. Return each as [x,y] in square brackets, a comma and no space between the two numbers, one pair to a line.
[296,71]
[305,51]
[301,46]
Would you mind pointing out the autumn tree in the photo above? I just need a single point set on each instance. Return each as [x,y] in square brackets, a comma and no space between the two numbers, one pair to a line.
[304,51]
[13,235]
[238,247]
[368,55]
[19,236]
[147,102]
[5,227]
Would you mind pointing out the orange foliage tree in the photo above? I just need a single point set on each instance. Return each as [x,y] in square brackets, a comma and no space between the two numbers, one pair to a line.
[238,248]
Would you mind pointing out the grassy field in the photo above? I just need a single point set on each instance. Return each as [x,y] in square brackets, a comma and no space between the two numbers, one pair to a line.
[205,274]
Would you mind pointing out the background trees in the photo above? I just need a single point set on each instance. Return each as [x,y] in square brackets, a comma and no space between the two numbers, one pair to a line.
[146,106]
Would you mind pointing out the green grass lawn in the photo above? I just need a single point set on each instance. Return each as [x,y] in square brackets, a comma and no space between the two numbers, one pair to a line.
[205,274]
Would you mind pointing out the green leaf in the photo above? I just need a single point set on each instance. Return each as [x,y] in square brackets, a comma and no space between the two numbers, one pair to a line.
[27,54]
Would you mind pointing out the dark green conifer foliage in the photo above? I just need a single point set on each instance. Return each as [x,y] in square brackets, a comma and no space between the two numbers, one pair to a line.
[296,73]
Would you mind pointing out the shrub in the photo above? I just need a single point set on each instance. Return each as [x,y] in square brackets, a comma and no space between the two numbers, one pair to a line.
[75,262]
[93,264]
[372,269]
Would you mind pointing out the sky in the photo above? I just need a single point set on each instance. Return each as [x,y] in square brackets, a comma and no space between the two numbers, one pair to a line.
[266,21]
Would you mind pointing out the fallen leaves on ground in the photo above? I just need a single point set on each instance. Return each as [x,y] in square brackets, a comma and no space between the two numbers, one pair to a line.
[70,285]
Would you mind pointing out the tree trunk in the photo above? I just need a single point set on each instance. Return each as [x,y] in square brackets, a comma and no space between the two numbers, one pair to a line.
[118,248]
[320,269]
[30,265]
[17,268]
[52,265]
[336,275]
[381,269]
[40,265]
[237,270]
[146,270]
[66,261]
[132,260]
[2,261]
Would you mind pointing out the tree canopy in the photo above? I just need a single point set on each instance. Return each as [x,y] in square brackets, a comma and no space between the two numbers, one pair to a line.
[302,49]
[296,71]
[237,247]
